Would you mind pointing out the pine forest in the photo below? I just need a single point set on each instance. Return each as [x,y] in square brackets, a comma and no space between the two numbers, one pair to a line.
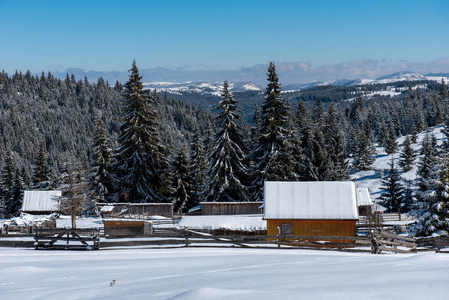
[116,142]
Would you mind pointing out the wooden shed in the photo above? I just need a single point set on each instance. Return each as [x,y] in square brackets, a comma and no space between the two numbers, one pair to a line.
[231,208]
[364,201]
[320,208]
[127,228]
[41,202]
[135,210]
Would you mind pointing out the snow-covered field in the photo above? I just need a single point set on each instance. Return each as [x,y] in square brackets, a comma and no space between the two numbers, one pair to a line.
[202,273]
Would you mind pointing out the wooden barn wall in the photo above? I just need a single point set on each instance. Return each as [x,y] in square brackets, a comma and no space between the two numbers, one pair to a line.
[230,208]
[315,227]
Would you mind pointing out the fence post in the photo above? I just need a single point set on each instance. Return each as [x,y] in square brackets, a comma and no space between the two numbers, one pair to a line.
[187,238]
[375,246]
[279,234]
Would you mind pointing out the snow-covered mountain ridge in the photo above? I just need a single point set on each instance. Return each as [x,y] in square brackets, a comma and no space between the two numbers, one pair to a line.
[215,88]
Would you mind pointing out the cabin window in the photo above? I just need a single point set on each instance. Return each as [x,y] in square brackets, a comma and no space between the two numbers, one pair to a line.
[286,228]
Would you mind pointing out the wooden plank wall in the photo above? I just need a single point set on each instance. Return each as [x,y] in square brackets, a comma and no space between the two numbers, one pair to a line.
[315,227]
[228,208]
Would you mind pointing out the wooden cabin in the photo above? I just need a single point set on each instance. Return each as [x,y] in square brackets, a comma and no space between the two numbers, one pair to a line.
[230,208]
[320,208]
[41,202]
[364,202]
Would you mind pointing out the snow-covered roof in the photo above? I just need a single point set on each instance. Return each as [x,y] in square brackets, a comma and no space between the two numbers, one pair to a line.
[107,208]
[231,203]
[364,197]
[331,200]
[40,201]
[230,222]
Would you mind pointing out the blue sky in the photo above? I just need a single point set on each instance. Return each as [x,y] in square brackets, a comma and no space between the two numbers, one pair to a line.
[108,35]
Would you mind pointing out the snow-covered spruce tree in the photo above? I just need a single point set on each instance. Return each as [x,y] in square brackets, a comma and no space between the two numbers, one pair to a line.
[73,188]
[274,160]
[182,183]
[15,199]
[228,174]
[445,131]
[408,202]
[7,181]
[364,152]
[140,153]
[198,167]
[336,149]
[407,156]
[100,181]
[41,172]
[391,144]
[392,190]
[302,142]
[432,206]
[318,166]
[428,159]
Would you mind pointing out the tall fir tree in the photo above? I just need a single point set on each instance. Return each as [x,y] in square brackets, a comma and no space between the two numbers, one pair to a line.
[100,180]
[198,167]
[42,172]
[408,202]
[407,156]
[182,183]
[336,149]
[274,157]
[7,181]
[302,142]
[364,152]
[318,167]
[391,144]
[140,155]
[432,205]
[392,190]
[228,173]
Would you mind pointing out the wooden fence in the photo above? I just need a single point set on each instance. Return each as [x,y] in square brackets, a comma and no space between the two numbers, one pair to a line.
[67,238]
[375,243]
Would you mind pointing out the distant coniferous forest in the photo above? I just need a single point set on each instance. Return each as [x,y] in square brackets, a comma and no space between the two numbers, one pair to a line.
[135,145]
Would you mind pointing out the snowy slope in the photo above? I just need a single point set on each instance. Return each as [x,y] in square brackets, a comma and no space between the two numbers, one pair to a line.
[207,273]
[371,179]
[401,76]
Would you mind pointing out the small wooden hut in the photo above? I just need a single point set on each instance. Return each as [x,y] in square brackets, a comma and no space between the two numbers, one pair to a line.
[41,202]
[230,208]
[127,227]
[320,208]
[364,201]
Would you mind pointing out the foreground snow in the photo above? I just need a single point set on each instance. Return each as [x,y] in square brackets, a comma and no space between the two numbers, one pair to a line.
[192,273]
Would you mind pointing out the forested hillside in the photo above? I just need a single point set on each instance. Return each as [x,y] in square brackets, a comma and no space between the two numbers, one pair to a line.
[116,134]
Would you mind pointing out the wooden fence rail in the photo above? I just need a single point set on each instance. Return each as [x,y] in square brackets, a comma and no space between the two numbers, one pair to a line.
[378,241]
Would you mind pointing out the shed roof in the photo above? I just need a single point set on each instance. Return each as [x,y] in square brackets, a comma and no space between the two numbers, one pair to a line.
[40,201]
[233,222]
[328,200]
[364,197]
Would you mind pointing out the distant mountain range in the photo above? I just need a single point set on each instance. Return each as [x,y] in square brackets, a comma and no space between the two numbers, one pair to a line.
[295,74]
[215,88]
